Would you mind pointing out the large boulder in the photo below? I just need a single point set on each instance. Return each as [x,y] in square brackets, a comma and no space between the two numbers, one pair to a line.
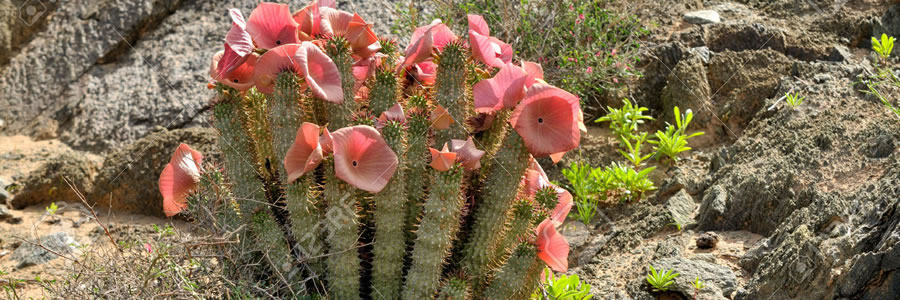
[129,178]
[49,182]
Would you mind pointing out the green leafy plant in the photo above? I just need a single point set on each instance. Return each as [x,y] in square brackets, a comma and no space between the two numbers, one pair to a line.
[883,47]
[632,184]
[584,185]
[662,280]
[51,210]
[873,90]
[624,122]
[698,285]
[634,154]
[674,141]
[793,99]
[564,287]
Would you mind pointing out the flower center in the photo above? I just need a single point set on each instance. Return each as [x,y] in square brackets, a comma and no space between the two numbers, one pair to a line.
[355,163]
[235,81]
[540,120]
[278,42]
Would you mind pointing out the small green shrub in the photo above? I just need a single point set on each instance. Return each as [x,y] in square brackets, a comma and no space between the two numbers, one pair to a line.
[584,186]
[884,46]
[793,99]
[624,122]
[634,154]
[631,184]
[662,280]
[674,141]
[565,287]
[698,285]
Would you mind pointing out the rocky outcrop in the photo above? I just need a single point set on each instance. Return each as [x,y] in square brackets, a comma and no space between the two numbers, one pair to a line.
[49,182]
[44,249]
[129,178]
[101,74]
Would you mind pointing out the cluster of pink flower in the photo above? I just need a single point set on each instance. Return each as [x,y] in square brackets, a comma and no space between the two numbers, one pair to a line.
[548,119]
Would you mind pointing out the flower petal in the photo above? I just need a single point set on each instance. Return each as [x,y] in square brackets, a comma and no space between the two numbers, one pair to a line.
[419,49]
[305,153]
[553,248]
[504,90]
[442,160]
[238,37]
[273,62]
[362,158]
[555,157]
[327,142]
[179,178]
[321,73]
[361,37]
[241,78]
[308,19]
[334,21]
[441,34]
[272,25]
[440,118]
[547,120]
[534,71]
[477,24]
[486,49]
[559,213]
[425,72]
[467,154]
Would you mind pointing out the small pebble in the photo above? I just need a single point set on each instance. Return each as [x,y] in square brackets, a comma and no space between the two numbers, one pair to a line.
[707,240]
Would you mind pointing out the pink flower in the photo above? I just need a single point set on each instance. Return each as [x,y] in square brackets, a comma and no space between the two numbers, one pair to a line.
[613,53]
[321,73]
[548,120]
[467,154]
[581,16]
[148,247]
[589,70]
[334,22]
[272,25]
[240,78]
[238,45]
[571,7]
[616,80]
[572,59]
[425,72]
[362,158]
[504,90]
[273,62]
[440,118]
[553,248]
[442,160]
[179,178]
[424,39]
[362,38]
[305,153]
[395,113]
[485,48]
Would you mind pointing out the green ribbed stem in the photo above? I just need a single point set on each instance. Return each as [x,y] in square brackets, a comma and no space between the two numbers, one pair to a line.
[340,115]
[384,91]
[285,117]
[521,225]
[496,200]
[517,278]
[266,238]
[417,157]
[343,231]
[435,236]
[390,211]
[454,289]
[450,91]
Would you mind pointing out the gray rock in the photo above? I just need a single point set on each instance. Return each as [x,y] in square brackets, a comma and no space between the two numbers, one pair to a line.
[703,52]
[681,206]
[48,182]
[576,233]
[889,23]
[4,195]
[688,87]
[720,281]
[4,212]
[702,17]
[29,254]
[129,178]
[822,78]
[880,147]
[707,240]
[840,53]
